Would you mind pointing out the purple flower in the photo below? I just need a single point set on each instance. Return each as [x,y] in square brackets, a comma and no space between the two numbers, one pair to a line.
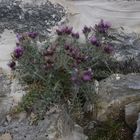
[108,49]
[33,35]
[87,75]
[59,32]
[67,47]
[86,30]
[67,30]
[75,35]
[103,26]
[18,52]
[94,41]
[64,30]
[71,49]
[107,24]
[17,44]
[82,58]
[12,65]
[19,37]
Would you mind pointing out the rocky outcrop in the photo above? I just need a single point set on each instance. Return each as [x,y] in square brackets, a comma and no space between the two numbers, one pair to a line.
[131,114]
[119,12]
[126,46]
[137,133]
[6,136]
[4,93]
[11,93]
[119,96]
[116,92]
[56,126]
[30,16]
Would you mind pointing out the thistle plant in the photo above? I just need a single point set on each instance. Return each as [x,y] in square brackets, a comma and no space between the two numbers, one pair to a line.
[65,67]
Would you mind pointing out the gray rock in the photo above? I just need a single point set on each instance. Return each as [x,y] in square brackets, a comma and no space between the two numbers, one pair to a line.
[11,94]
[117,91]
[131,114]
[29,16]
[5,136]
[4,92]
[137,133]
[126,55]
[56,126]
[127,46]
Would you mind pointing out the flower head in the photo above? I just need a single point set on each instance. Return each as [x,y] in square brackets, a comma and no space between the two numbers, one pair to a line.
[64,30]
[86,30]
[12,65]
[17,44]
[19,37]
[75,35]
[94,41]
[108,49]
[103,26]
[59,32]
[67,47]
[33,35]
[18,52]
[67,30]
[107,24]
[87,75]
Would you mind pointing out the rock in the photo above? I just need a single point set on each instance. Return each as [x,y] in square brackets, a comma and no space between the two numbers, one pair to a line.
[5,136]
[56,125]
[115,92]
[137,133]
[131,114]
[26,16]
[21,116]
[77,134]
[126,54]
[127,46]
[114,12]
[4,91]
[17,92]
[7,45]
[8,118]
[11,94]
[90,128]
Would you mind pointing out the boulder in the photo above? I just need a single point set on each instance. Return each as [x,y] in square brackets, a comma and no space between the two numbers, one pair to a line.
[11,93]
[5,136]
[115,92]
[4,92]
[131,114]
[94,10]
[56,125]
[137,133]
[126,46]
[25,16]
